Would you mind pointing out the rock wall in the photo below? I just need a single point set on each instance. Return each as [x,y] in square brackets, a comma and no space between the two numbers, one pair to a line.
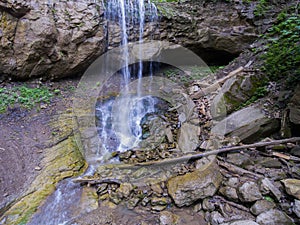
[54,39]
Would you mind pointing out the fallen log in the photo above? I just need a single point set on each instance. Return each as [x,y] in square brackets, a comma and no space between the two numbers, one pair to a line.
[216,85]
[218,151]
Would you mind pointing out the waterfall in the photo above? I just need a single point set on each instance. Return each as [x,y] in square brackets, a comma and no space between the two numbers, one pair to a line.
[63,205]
[126,132]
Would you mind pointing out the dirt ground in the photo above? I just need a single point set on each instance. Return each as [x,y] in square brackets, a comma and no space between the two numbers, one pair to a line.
[23,136]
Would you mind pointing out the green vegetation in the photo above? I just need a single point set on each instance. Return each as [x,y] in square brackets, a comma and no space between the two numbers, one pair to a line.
[191,73]
[282,58]
[259,93]
[261,8]
[24,97]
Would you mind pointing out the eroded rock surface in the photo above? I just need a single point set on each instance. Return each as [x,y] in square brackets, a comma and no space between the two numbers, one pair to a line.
[54,40]
[201,183]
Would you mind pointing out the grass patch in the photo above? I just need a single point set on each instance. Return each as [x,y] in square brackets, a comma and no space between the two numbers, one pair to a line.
[24,97]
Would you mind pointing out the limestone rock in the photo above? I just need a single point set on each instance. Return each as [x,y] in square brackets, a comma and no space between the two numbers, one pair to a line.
[262,206]
[235,91]
[292,187]
[56,40]
[188,139]
[248,124]
[274,217]
[229,192]
[249,192]
[168,218]
[125,190]
[216,218]
[296,208]
[201,183]
[89,200]
[50,40]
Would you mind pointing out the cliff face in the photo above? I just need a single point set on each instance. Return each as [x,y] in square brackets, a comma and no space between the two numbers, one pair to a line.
[49,40]
[54,40]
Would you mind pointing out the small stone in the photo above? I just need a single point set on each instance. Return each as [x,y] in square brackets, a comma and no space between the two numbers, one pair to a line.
[208,205]
[168,218]
[159,201]
[267,186]
[43,106]
[125,189]
[270,162]
[158,207]
[292,187]
[102,189]
[37,168]
[114,198]
[296,151]
[157,189]
[197,207]
[296,208]
[104,197]
[261,206]
[216,218]
[249,192]
[233,182]
[132,203]
[229,192]
[274,217]
[239,159]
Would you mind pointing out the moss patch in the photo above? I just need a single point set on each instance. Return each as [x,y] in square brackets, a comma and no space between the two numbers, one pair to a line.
[60,161]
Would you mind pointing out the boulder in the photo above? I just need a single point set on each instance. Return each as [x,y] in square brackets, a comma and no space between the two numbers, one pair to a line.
[296,208]
[249,124]
[188,137]
[261,206]
[234,92]
[292,187]
[249,192]
[274,217]
[201,183]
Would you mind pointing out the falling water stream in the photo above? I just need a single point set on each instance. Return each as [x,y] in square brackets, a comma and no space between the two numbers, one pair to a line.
[64,204]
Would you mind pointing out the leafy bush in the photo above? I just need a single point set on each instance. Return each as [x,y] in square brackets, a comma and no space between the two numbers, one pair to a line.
[282,58]
[24,96]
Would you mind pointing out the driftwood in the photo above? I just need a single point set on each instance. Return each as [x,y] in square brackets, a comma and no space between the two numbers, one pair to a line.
[217,84]
[216,152]
[233,204]
[238,170]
